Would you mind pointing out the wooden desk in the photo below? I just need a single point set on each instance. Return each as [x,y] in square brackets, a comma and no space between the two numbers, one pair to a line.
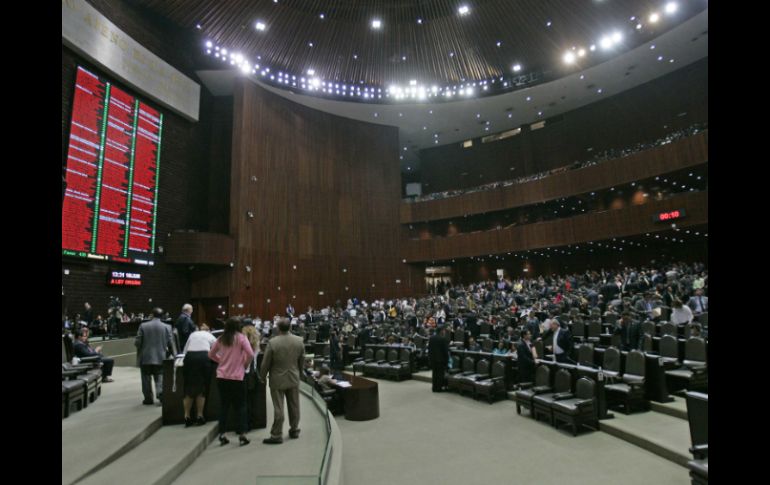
[362,398]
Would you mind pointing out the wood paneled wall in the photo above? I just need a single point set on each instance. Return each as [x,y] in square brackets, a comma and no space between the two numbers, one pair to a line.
[643,113]
[683,153]
[573,230]
[192,248]
[325,193]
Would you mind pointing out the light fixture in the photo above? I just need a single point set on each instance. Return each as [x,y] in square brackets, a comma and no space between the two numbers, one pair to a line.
[569,57]
[376,23]
[516,67]
[260,26]
[670,7]
[463,10]
[654,17]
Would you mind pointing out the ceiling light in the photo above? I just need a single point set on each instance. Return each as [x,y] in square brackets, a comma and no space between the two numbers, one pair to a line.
[638,26]
[616,37]
[209,44]
[654,17]
[605,43]
[670,7]
[260,25]
[499,43]
[548,24]
[376,24]
[516,67]
[569,58]
[463,10]
[322,16]
[582,52]
[419,21]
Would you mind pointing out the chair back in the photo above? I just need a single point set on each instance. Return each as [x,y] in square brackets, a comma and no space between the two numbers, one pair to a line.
[487,345]
[647,343]
[563,381]
[543,376]
[594,328]
[406,355]
[585,388]
[369,354]
[351,341]
[498,369]
[611,318]
[669,347]
[468,364]
[484,328]
[392,354]
[635,363]
[379,355]
[482,367]
[579,329]
[459,336]
[668,328]
[695,349]
[586,355]
[612,359]
[649,327]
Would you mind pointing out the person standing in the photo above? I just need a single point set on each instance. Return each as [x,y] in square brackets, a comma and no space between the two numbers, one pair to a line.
[438,354]
[184,325]
[233,352]
[526,356]
[284,357]
[152,342]
[197,373]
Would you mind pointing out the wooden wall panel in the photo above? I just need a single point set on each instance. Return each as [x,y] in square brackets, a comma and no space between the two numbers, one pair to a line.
[680,154]
[592,226]
[200,248]
[326,202]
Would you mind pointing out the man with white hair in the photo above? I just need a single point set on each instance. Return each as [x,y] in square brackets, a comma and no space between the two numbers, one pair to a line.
[185,325]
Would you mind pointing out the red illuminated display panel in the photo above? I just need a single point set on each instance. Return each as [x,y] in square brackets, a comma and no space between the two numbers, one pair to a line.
[110,202]
[669,216]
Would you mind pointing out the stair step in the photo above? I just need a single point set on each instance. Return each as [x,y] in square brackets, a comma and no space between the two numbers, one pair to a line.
[677,408]
[664,435]
[159,460]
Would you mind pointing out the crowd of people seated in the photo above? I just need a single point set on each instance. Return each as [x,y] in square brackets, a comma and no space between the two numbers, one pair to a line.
[603,156]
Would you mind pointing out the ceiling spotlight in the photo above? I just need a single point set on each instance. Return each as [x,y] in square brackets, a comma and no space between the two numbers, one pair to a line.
[593,47]
[616,37]
[499,43]
[260,25]
[606,42]
[419,21]
[654,17]
[582,53]
[548,24]
[311,72]
[376,24]
[463,10]
[569,58]
[322,16]
[638,26]
[670,7]
[209,44]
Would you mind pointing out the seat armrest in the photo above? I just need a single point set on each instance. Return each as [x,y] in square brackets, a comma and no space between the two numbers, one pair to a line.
[69,374]
[526,385]
[91,358]
[559,396]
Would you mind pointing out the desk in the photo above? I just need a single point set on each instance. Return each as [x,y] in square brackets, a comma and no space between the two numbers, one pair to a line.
[362,398]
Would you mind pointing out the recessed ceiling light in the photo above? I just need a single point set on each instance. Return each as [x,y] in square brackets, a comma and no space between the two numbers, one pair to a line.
[548,24]
[654,17]
[499,43]
[671,7]
[569,57]
[419,21]
[376,24]
[260,25]
[463,10]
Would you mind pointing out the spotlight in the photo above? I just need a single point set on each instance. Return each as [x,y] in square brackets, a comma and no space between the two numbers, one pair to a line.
[605,43]
[261,26]
[463,10]
[516,67]
[670,7]
[654,17]
[376,24]
[569,58]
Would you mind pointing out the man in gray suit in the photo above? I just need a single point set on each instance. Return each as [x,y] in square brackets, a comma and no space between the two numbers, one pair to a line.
[284,357]
[152,342]
[698,303]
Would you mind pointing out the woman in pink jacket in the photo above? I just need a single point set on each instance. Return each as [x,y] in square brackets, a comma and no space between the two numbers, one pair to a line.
[233,352]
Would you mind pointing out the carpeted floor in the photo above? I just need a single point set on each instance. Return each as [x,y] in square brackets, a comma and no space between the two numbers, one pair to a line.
[443,438]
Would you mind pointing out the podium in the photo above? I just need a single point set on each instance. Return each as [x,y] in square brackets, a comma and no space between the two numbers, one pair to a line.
[173,410]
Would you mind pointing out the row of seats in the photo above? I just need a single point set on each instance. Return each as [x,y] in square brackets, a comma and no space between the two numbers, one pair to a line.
[395,364]
[570,401]
[81,383]
[479,379]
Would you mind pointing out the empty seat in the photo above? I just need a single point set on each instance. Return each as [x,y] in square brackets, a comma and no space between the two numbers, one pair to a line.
[578,330]
[631,390]
[649,328]
[459,337]
[495,385]
[669,351]
[542,385]
[541,403]
[693,374]
[400,368]
[669,328]
[373,368]
[578,410]
[468,368]
[611,363]
[468,382]
[586,355]
[594,331]
[358,364]
[698,417]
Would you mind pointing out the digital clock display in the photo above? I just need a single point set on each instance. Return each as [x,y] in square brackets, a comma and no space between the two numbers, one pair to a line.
[124,278]
[669,216]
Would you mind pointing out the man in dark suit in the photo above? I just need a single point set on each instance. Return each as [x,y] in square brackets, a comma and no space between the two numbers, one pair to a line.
[184,325]
[698,303]
[81,349]
[438,353]
[525,357]
[630,333]
[152,343]
[562,342]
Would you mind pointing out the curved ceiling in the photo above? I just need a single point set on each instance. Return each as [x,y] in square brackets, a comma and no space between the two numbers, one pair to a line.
[425,125]
[425,41]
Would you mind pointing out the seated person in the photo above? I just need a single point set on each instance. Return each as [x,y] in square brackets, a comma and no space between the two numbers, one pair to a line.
[325,380]
[473,345]
[81,349]
[501,349]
